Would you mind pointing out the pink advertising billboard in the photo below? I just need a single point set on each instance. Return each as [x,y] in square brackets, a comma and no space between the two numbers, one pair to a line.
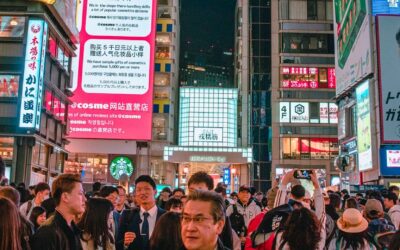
[114,70]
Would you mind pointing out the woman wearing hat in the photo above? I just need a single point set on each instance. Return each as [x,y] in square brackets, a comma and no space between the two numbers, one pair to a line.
[352,232]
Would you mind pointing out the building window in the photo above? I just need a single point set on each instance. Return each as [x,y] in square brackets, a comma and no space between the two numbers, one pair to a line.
[169,27]
[163,52]
[12,26]
[157,67]
[167,67]
[9,85]
[309,148]
[307,43]
[159,27]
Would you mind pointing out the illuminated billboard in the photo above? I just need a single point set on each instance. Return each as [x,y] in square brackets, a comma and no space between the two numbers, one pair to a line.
[390,160]
[113,87]
[364,127]
[388,45]
[304,112]
[385,7]
[308,78]
[32,86]
[352,43]
[208,117]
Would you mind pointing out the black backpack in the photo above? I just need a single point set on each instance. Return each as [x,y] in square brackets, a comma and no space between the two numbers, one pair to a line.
[237,222]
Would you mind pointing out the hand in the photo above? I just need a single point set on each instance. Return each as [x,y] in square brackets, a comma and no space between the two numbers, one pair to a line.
[129,238]
[288,177]
[314,179]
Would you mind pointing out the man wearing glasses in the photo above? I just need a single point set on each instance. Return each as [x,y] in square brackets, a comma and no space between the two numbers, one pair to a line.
[203,220]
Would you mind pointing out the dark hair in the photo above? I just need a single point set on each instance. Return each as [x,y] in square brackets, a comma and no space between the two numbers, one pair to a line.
[2,167]
[216,200]
[50,206]
[166,189]
[64,183]
[41,186]
[178,190]
[202,177]
[10,225]
[167,233]
[392,197]
[334,200]
[107,190]
[302,226]
[10,193]
[298,191]
[344,191]
[352,203]
[173,202]
[359,194]
[146,178]
[353,240]
[96,186]
[36,212]
[395,242]
[220,190]
[94,222]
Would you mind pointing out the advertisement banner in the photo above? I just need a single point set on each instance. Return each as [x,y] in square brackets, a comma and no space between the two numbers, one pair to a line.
[113,87]
[364,127]
[388,44]
[299,112]
[32,86]
[390,160]
[386,7]
[353,57]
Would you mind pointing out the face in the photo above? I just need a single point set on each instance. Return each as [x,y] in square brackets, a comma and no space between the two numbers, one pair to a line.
[244,196]
[178,195]
[114,198]
[176,209]
[198,186]
[259,197]
[43,195]
[145,193]
[388,203]
[75,200]
[41,218]
[199,231]
[164,196]
[122,197]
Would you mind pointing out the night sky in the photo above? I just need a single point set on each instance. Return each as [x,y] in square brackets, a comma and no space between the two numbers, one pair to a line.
[206,24]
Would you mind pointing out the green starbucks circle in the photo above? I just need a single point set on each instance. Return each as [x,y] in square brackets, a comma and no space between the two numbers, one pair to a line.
[121,165]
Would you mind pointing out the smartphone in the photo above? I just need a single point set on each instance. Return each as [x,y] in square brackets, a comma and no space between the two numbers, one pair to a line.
[302,174]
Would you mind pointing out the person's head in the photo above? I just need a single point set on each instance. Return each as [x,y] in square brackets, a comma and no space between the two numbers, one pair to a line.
[334,200]
[351,203]
[145,190]
[165,194]
[31,190]
[178,193]
[96,186]
[203,220]
[359,196]
[302,226]
[344,192]
[10,193]
[259,196]
[167,232]
[352,228]
[50,206]
[221,191]
[244,194]
[38,216]
[174,205]
[200,181]
[373,209]
[122,197]
[42,192]
[298,192]
[94,222]
[234,196]
[68,194]
[395,189]
[389,200]
[9,225]
[111,194]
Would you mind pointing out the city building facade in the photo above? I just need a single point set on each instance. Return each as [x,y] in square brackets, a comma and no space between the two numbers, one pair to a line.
[38,41]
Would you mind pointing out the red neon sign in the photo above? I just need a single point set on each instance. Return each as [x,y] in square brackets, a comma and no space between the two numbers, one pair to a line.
[307,77]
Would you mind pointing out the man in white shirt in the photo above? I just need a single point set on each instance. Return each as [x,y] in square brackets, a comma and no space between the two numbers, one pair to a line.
[42,192]
[137,225]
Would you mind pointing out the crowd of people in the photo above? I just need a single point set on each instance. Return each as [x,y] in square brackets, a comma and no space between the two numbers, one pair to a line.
[287,217]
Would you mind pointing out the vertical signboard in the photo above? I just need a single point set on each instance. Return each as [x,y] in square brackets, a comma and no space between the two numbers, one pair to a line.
[388,43]
[364,127]
[284,108]
[32,85]
[352,43]
[113,92]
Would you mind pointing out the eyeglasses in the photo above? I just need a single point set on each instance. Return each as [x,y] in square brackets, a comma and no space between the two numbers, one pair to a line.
[197,220]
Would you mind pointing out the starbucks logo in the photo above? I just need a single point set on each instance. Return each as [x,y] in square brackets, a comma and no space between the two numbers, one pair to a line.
[121,165]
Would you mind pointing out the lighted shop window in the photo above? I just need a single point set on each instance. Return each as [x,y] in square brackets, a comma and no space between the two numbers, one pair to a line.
[9,85]
[12,26]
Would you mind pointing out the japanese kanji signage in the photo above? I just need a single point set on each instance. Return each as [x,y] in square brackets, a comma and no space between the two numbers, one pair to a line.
[113,89]
[32,86]
[388,37]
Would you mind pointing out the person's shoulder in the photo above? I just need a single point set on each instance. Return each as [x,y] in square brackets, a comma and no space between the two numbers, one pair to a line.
[160,211]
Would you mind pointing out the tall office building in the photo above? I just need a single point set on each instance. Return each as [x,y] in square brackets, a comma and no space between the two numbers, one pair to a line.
[304,113]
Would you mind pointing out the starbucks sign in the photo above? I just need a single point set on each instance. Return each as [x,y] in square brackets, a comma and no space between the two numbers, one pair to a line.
[121,165]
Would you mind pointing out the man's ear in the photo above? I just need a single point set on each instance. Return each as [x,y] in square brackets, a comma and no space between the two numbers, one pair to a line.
[220,226]
[65,197]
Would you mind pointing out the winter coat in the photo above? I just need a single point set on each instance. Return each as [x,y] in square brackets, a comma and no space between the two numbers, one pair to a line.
[249,211]
[394,213]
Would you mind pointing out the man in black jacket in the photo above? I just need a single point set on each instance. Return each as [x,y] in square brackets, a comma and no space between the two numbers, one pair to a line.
[59,232]
[137,225]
